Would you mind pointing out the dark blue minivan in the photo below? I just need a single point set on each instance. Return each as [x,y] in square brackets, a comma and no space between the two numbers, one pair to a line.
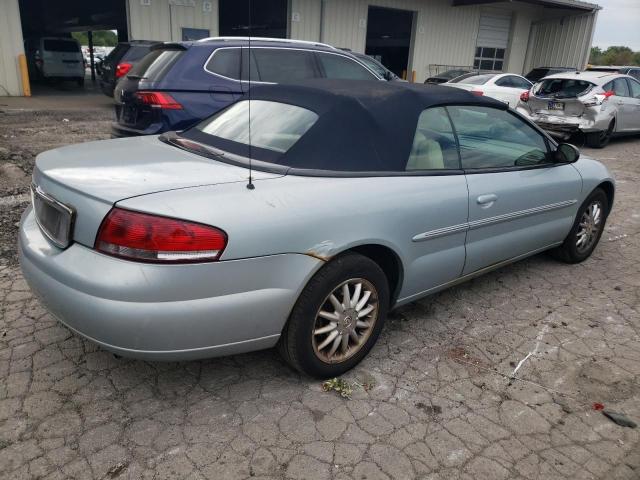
[178,84]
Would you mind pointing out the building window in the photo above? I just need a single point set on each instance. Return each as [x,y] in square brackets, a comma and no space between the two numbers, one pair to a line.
[192,34]
[488,58]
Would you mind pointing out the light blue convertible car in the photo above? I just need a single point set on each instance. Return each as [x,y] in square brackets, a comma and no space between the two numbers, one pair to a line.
[297,217]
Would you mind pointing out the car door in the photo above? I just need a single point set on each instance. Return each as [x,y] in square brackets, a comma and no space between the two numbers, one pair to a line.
[434,207]
[519,200]
[624,104]
[634,100]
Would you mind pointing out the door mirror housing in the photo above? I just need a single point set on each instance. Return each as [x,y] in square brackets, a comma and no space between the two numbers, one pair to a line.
[566,153]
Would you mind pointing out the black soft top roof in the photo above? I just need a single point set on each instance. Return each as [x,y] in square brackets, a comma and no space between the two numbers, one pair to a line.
[362,125]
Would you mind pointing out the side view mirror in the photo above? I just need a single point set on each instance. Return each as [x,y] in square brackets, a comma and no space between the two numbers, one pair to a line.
[566,153]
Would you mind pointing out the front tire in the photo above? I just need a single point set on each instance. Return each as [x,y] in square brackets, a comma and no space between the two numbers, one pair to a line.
[587,229]
[337,318]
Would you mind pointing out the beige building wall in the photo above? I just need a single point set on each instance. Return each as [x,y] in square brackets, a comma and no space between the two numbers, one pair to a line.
[164,19]
[10,47]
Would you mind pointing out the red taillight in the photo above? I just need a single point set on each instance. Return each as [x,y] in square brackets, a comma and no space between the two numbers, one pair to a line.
[151,238]
[158,99]
[122,69]
[524,96]
[477,93]
[609,93]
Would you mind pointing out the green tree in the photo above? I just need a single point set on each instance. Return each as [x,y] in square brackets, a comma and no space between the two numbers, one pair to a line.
[101,38]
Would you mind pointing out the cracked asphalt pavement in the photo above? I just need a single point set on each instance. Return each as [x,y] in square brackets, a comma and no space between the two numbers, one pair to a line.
[436,399]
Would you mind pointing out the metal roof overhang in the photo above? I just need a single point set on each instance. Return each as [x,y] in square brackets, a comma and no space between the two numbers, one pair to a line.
[564,4]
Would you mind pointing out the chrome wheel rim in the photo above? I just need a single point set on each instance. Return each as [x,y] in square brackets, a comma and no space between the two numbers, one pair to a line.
[345,320]
[589,227]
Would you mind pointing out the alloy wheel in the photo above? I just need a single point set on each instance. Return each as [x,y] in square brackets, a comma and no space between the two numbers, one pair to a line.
[589,227]
[345,320]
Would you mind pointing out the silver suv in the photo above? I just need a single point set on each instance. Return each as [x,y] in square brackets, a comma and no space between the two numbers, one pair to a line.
[598,104]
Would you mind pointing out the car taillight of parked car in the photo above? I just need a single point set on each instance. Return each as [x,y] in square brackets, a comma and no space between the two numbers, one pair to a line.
[122,69]
[524,96]
[598,99]
[477,93]
[151,238]
[158,99]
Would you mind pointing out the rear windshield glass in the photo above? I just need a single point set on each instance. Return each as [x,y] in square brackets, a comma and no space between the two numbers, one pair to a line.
[136,52]
[478,79]
[562,88]
[61,46]
[156,64]
[272,125]
[116,52]
[452,73]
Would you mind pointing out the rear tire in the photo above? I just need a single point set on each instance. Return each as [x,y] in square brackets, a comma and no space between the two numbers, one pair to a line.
[323,338]
[599,139]
[586,231]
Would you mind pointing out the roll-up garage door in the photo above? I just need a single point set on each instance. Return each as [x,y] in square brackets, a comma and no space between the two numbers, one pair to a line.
[493,39]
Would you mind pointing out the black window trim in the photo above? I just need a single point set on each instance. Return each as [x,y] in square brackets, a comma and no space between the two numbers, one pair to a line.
[263,166]
[310,50]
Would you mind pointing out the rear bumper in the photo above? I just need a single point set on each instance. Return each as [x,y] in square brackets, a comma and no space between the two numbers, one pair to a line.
[565,126]
[164,312]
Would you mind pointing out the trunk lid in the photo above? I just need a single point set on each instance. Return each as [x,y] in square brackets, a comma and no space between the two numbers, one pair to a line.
[559,96]
[90,178]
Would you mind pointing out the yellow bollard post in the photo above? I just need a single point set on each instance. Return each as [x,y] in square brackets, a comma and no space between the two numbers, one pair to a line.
[24,74]
[413,76]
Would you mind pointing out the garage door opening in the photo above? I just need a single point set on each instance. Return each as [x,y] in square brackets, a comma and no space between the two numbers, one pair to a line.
[389,32]
[264,18]
[51,29]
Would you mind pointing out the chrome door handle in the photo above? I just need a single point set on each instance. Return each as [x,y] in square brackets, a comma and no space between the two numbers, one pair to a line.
[485,201]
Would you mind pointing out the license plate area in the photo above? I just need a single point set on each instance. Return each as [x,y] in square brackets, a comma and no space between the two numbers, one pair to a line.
[54,218]
[556,106]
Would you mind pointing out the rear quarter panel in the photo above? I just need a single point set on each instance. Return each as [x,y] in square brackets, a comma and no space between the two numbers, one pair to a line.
[322,217]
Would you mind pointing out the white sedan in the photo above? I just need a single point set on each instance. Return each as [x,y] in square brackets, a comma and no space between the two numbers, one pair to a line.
[506,87]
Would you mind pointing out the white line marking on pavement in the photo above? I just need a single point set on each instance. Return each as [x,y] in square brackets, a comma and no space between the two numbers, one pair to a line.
[541,334]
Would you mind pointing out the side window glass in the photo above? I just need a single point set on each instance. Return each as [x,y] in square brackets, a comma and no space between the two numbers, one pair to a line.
[635,73]
[338,66]
[620,87]
[225,62]
[434,145]
[634,86]
[249,67]
[493,138]
[283,65]
[504,82]
[518,82]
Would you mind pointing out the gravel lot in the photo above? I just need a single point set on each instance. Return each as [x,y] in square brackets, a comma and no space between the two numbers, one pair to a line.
[435,399]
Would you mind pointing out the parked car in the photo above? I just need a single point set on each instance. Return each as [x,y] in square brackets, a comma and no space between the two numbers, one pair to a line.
[54,58]
[178,84]
[506,87]
[537,74]
[597,104]
[345,199]
[120,61]
[376,66]
[634,71]
[446,76]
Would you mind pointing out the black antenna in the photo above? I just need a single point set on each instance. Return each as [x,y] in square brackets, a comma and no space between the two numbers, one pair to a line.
[250,185]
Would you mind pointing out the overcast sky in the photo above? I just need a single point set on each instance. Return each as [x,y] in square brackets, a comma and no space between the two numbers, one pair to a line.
[618,24]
